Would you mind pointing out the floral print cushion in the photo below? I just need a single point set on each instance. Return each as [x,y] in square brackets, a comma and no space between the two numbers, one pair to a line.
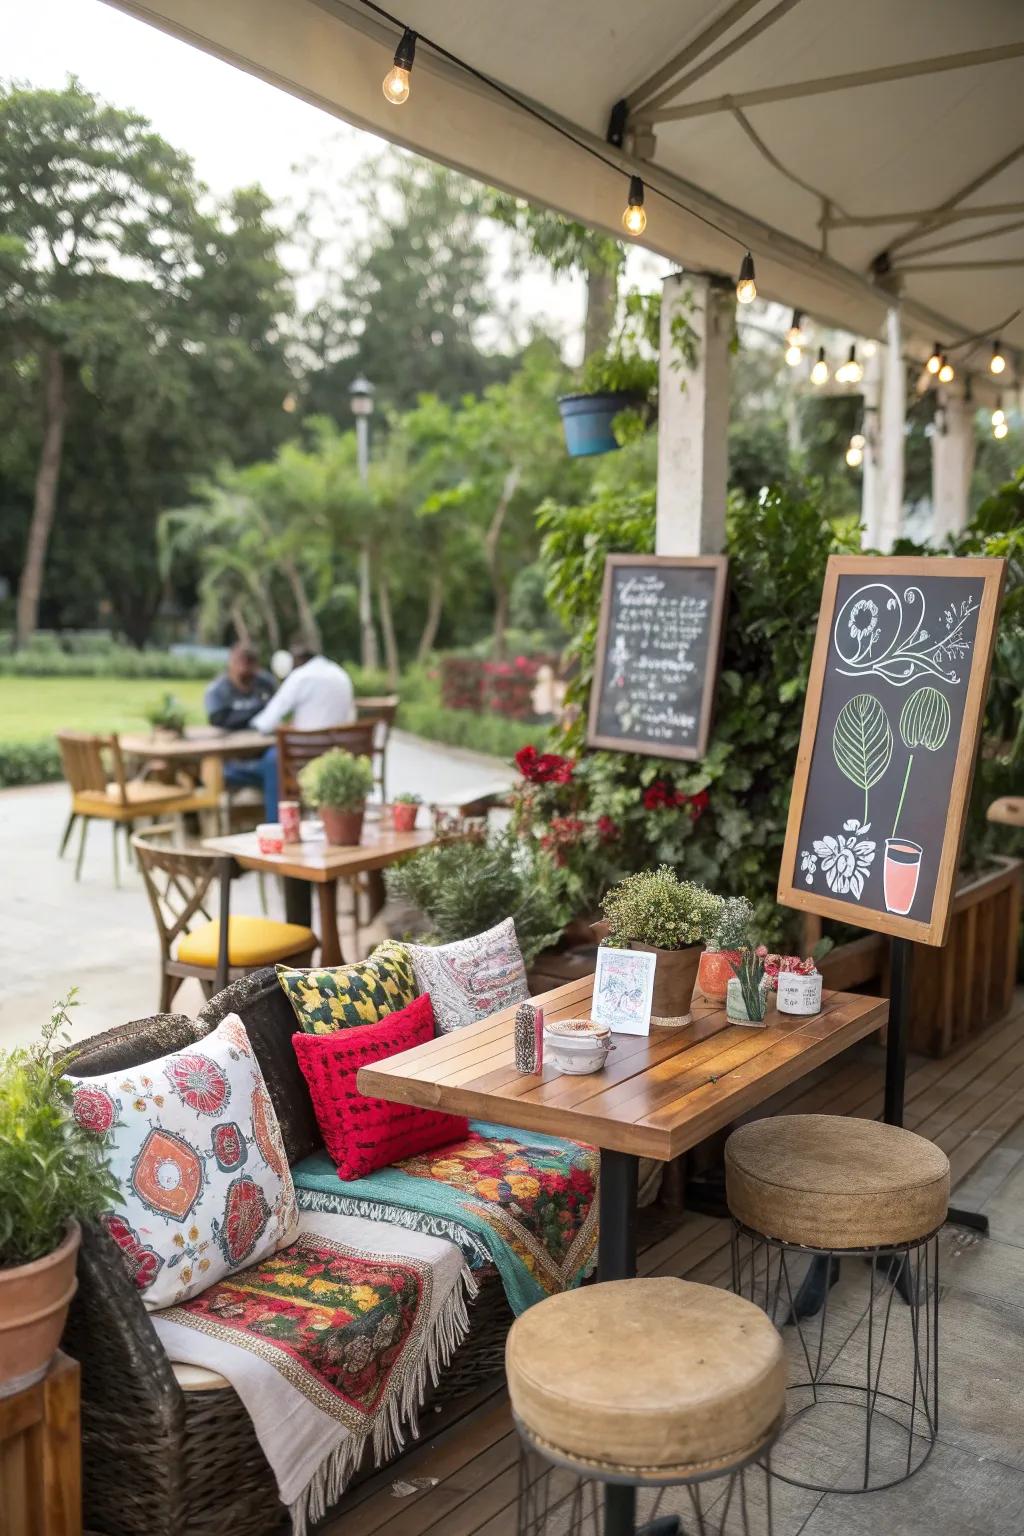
[194,1143]
[471,978]
[350,995]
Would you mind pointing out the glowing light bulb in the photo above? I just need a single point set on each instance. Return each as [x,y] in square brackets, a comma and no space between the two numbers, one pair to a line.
[794,356]
[854,371]
[746,286]
[998,417]
[858,440]
[396,82]
[1000,429]
[289,403]
[998,363]
[634,219]
[934,363]
[854,456]
[819,373]
[869,348]
[796,336]
[946,371]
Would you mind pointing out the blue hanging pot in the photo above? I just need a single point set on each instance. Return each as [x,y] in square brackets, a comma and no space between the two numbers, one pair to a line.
[587,420]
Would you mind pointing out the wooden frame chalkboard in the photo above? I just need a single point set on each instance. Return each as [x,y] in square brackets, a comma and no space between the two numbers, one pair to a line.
[685,736]
[892,723]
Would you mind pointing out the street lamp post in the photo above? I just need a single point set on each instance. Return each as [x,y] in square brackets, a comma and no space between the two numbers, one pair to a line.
[360,394]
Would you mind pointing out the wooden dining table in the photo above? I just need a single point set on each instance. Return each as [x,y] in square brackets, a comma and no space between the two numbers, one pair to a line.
[657,1096]
[318,864]
[198,741]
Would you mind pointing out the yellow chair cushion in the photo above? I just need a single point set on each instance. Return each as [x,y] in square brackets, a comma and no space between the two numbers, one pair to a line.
[251,941]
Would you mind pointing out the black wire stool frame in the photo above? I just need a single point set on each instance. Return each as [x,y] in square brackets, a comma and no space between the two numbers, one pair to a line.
[553,1488]
[905,1276]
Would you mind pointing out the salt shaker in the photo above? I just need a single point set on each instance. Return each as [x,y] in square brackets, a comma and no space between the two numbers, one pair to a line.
[527,1035]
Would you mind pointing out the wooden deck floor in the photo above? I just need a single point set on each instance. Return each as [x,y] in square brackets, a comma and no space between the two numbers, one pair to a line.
[967,1103]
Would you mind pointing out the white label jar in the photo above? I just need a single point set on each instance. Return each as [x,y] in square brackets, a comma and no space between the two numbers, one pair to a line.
[798,993]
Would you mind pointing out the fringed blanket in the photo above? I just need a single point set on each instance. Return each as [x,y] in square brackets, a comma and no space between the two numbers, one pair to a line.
[524,1202]
[329,1344]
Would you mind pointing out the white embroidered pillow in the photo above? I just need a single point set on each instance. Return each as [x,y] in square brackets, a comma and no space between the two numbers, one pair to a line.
[471,978]
[195,1144]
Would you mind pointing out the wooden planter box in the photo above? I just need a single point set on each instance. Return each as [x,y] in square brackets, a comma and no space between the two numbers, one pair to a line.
[968,983]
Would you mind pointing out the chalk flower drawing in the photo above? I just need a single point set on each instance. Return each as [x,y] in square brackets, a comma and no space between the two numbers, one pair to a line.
[846,859]
[809,865]
[878,632]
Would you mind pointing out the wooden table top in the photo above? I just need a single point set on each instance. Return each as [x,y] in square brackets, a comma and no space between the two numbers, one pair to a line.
[198,741]
[659,1094]
[315,860]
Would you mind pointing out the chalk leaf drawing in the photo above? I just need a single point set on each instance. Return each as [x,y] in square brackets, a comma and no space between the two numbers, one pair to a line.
[878,632]
[862,742]
[924,722]
[845,859]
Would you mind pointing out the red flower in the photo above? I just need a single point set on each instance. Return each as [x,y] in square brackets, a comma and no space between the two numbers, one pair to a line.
[607,830]
[698,803]
[543,767]
[660,796]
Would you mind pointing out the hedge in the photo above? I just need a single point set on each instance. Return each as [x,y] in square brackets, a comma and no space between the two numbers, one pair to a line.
[490,734]
[28,762]
[118,661]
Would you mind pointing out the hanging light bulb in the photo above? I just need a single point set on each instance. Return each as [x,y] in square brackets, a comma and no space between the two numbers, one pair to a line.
[858,440]
[396,81]
[869,347]
[794,356]
[1000,428]
[854,370]
[998,417]
[634,219]
[855,452]
[934,363]
[819,373]
[796,336]
[746,286]
[946,371]
[998,363]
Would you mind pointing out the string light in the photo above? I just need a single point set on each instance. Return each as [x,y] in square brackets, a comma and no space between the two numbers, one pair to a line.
[819,373]
[794,357]
[796,340]
[634,219]
[396,81]
[851,371]
[934,363]
[855,452]
[946,371]
[1000,426]
[869,348]
[746,286]
[998,363]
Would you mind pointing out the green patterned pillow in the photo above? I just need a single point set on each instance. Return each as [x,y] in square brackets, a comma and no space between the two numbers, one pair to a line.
[362,993]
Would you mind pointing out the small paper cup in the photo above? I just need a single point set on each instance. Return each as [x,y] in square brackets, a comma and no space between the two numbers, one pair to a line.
[270,837]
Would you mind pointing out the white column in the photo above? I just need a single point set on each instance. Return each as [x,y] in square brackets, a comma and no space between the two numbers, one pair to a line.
[891,425]
[953,449]
[871,472]
[693,420]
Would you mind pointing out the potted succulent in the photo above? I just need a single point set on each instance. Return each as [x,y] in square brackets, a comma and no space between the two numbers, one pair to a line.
[337,785]
[746,1000]
[403,812]
[656,911]
[54,1174]
[730,931]
[167,718]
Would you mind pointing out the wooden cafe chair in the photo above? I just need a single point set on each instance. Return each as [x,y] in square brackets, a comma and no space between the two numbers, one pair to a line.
[101,790]
[296,748]
[181,884]
[382,711]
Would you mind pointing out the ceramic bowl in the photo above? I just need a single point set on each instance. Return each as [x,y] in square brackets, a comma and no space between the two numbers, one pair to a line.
[577,1045]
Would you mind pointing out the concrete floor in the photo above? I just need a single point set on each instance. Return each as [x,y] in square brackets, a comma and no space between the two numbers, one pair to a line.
[56,933]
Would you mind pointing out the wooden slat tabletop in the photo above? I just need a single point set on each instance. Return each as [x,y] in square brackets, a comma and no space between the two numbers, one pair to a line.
[659,1094]
[315,860]
[198,741]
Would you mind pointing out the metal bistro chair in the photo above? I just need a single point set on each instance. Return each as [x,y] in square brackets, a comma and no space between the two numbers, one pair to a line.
[180,883]
[296,748]
[101,791]
[382,712]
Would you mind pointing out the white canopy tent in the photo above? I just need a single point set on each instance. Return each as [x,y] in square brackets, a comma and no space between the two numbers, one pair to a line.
[871,156]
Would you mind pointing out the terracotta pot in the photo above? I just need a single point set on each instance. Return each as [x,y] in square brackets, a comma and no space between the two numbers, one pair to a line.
[674,979]
[714,972]
[342,829]
[34,1301]
[403,816]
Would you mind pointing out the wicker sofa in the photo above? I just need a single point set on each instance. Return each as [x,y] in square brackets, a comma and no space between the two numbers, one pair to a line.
[164,1451]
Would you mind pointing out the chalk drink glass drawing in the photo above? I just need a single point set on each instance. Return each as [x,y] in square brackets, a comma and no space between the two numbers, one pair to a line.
[900,871]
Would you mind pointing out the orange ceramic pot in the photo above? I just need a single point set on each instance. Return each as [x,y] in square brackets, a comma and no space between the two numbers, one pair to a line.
[715,972]
[342,829]
[34,1301]
[403,815]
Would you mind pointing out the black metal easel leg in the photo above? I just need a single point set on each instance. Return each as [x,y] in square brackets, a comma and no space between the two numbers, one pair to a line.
[616,1260]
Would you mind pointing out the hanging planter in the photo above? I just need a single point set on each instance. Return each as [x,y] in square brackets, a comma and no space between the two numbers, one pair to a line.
[622,378]
[587,420]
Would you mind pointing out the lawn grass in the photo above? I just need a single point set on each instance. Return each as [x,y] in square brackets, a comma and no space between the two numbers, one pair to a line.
[35,708]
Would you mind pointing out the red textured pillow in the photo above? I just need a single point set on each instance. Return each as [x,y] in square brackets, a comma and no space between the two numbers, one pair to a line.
[361,1133]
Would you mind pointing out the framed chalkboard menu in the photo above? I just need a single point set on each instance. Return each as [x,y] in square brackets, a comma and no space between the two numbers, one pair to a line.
[895,703]
[659,647]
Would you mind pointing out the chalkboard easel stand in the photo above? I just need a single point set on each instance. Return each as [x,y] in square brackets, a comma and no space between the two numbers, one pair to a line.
[821,1276]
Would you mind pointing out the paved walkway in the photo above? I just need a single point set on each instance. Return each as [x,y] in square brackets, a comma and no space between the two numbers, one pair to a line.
[56,934]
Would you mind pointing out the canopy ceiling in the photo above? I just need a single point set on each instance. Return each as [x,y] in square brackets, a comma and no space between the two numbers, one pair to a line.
[857,149]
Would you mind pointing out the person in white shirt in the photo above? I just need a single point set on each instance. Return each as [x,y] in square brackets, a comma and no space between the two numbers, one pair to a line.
[316,694]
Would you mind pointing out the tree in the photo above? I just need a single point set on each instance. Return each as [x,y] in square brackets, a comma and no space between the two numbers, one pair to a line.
[146,326]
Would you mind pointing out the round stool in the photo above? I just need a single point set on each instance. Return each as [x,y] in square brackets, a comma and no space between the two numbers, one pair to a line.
[866,1357]
[649,1384]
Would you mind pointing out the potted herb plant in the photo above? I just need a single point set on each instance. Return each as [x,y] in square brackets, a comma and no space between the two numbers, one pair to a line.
[656,911]
[167,717]
[746,999]
[337,785]
[403,812]
[54,1174]
[730,931]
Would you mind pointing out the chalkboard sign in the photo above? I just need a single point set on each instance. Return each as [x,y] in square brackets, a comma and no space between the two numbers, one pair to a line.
[658,652]
[895,702]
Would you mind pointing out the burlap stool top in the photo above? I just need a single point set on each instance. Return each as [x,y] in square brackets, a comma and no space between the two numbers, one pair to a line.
[828,1181]
[654,1380]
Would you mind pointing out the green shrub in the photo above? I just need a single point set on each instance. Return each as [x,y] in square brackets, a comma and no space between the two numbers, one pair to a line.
[733,925]
[52,1170]
[491,734]
[337,780]
[655,907]
[116,661]
[28,762]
